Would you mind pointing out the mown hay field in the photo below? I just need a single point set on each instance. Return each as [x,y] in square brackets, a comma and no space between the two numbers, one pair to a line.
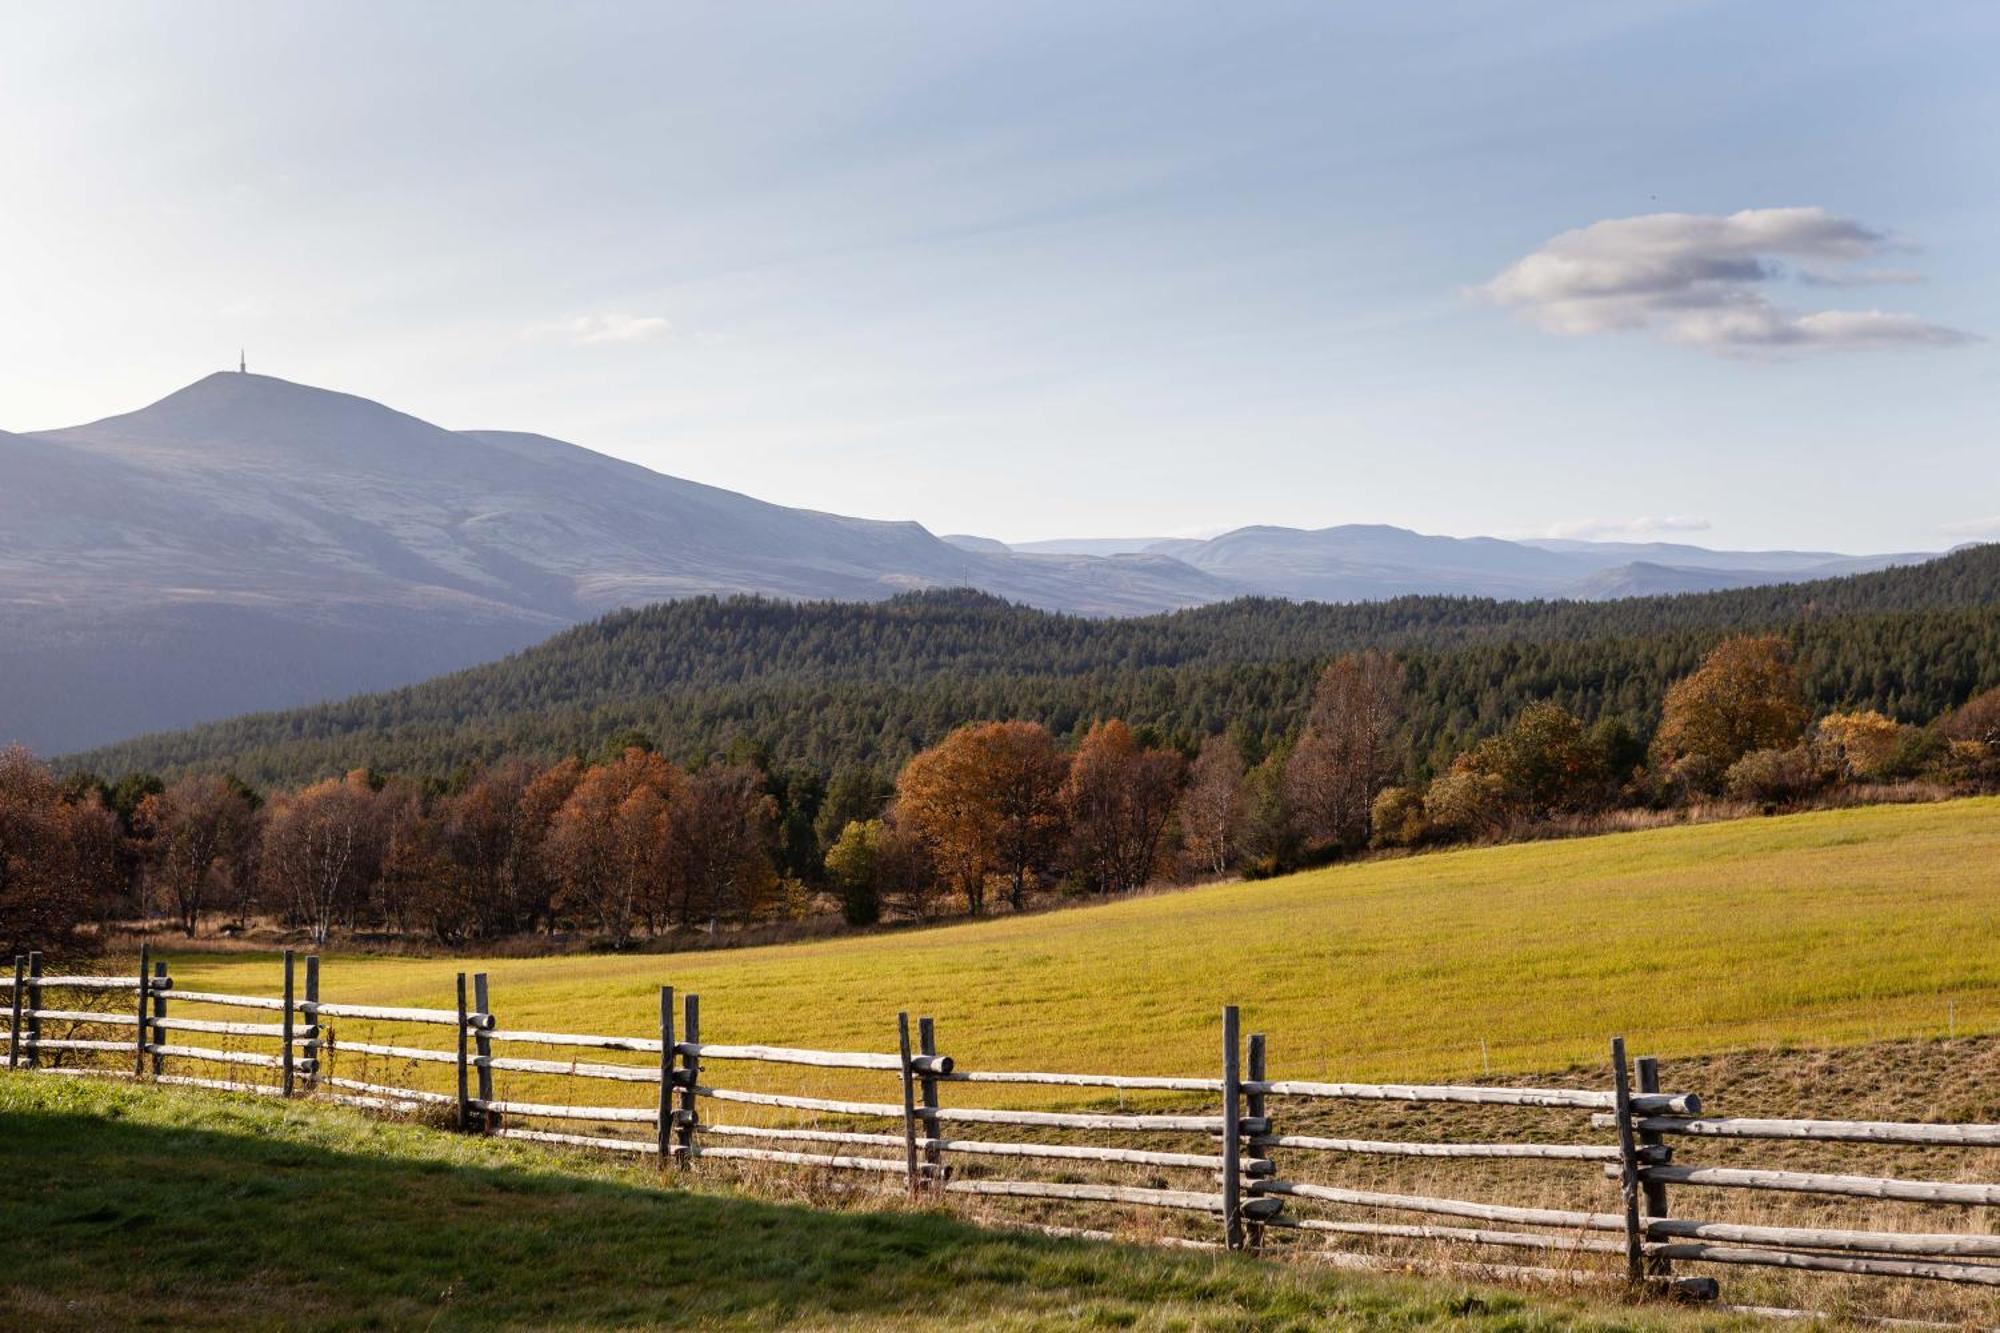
[1822,929]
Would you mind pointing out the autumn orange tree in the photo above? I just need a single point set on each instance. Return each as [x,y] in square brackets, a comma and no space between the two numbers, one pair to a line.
[610,845]
[58,857]
[723,829]
[987,800]
[1744,696]
[1213,807]
[195,838]
[1351,748]
[1118,799]
[321,850]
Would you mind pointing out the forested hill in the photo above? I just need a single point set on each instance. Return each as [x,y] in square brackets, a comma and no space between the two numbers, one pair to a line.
[824,683]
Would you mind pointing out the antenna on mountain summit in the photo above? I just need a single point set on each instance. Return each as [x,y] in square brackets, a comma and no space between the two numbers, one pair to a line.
[242,364]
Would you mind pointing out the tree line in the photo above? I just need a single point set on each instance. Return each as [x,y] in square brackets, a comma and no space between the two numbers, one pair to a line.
[993,814]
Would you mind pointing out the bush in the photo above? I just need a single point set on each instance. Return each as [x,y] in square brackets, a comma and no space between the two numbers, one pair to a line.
[1466,804]
[1397,818]
[1777,777]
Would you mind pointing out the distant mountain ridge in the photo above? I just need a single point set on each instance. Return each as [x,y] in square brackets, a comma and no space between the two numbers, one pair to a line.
[248,543]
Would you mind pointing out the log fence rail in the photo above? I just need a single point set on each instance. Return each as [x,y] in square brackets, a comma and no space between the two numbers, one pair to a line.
[1235,1179]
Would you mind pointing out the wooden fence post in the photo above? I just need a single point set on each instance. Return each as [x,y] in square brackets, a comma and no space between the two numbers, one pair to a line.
[161,985]
[933,1155]
[14,1024]
[34,1009]
[1628,1165]
[691,1074]
[311,1009]
[665,1124]
[1255,1103]
[1232,1130]
[285,1024]
[464,1090]
[909,1101]
[482,1000]
[145,1010]
[1655,1190]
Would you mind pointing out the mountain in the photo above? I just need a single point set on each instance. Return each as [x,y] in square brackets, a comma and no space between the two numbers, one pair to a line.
[251,543]
[821,684]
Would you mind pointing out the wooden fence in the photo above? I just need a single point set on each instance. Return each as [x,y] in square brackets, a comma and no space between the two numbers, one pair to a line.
[1228,1150]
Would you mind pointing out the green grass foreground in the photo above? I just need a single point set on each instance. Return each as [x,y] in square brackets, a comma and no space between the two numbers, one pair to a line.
[1822,929]
[129,1206]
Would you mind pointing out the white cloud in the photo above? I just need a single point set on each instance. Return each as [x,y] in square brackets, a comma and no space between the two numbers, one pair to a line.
[591,330]
[1626,529]
[1695,278]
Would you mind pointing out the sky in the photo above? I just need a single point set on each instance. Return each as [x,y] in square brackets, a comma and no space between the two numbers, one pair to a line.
[1718,273]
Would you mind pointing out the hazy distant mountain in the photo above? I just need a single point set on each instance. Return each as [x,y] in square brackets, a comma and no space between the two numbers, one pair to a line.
[250,543]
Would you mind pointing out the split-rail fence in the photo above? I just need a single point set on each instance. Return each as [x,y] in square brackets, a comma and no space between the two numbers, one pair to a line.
[1231,1164]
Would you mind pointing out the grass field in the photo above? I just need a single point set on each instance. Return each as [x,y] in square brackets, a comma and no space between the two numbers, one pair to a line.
[135,1207]
[1818,929]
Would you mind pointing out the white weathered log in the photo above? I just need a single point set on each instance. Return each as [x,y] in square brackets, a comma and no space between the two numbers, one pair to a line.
[882,1164]
[390,1090]
[1829,1263]
[81,1016]
[579,1140]
[219,1085]
[788,1055]
[1589,1152]
[367,1103]
[831,1107]
[387,1014]
[1815,1182]
[78,1044]
[805,1135]
[1416,1203]
[638,1045]
[85,1071]
[1821,1131]
[417,1053]
[1946,1244]
[222,998]
[1564,1098]
[228,1029]
[1076,1152]
[608,1114]
[571,1068]
[218,1057]
[1037,1189]
[1467,1235]
[1192,1124]
[1134,1082]
[73,983]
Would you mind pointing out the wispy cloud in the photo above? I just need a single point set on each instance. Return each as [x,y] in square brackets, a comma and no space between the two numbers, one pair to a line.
[1695,278]
[1626,529]
[591,330]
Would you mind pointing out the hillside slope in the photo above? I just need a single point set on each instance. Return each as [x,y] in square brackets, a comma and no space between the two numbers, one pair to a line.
[825,683]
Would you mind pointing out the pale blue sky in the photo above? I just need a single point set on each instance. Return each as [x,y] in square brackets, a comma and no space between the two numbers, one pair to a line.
[1040,270]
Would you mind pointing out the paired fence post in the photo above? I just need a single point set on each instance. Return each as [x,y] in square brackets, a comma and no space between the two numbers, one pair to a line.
[1232,1130]
[689,1116]
[933,1154]
[482,1046]
[1628,1165]
[285,1024]
[145,1009]
[34,1009]
[664,1126]
[464,1090]
[1657,1151]
[1255,1103]
[311,1011]
[161,985]
[909,1074]
[14,1024]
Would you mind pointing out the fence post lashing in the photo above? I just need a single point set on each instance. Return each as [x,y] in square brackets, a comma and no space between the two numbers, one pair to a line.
[464,1091]
[161,985]
[1255,1104]
[1628,1165]
[664,1126]
[1655,1142]
[686,1120]
[311,1010]
[1232,1130]
[909,1101]
[489,1120]
[34,1009]
[139,1042]
[14,1024]
[285,1024]
[933,1155]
